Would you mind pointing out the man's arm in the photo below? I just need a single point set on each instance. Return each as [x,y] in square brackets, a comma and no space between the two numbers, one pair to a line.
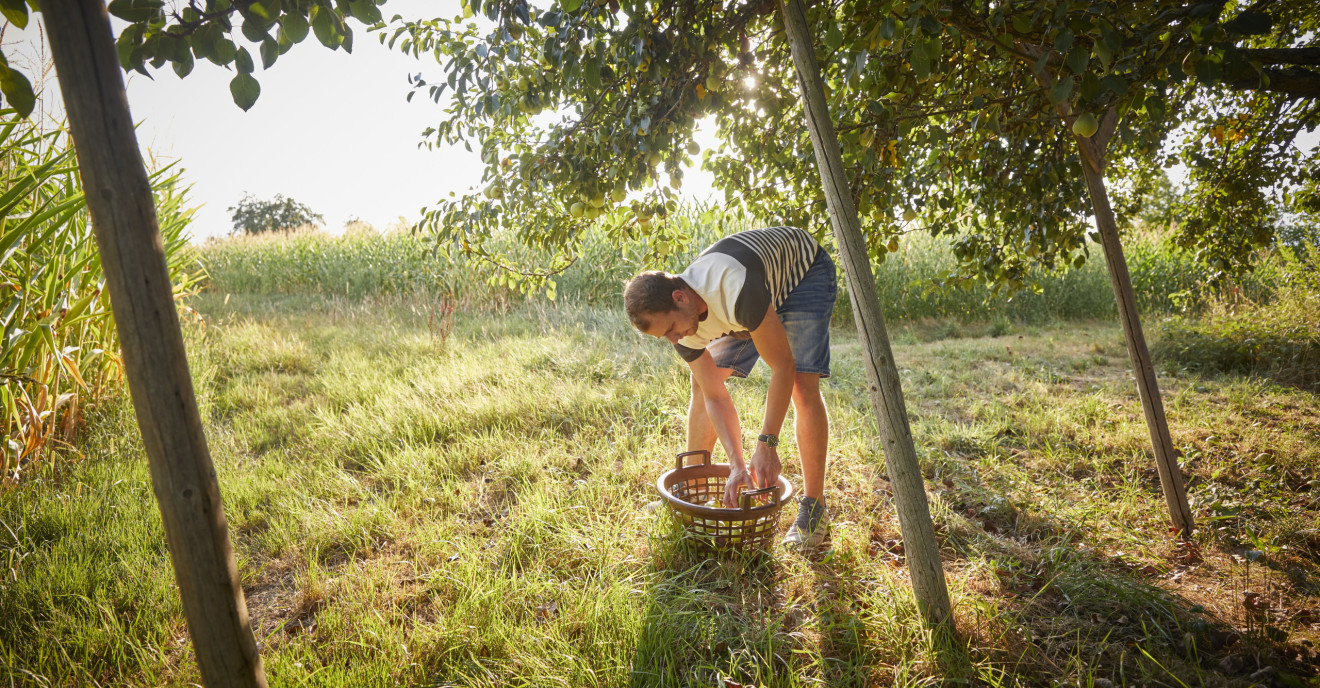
[772,343]
[719,407]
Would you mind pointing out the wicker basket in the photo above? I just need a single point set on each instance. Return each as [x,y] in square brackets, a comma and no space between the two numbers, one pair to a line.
[688,489]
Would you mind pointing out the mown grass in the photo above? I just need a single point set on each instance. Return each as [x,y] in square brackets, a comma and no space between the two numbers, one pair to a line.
[418,509]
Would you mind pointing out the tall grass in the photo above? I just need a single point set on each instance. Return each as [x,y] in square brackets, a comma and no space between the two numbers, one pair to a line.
[364,262]
[1276,334]
[915,283]
[59,351]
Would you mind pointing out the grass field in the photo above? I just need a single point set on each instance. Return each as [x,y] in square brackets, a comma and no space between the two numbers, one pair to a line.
[411,506]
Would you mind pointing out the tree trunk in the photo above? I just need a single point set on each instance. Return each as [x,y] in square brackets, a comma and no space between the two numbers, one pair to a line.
[914,521]
[1148,388]
[132,254]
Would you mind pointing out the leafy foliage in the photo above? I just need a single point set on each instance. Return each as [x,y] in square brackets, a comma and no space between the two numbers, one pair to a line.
[254,216]
[955,118]
[1278,338]
[60,349]
[209,31]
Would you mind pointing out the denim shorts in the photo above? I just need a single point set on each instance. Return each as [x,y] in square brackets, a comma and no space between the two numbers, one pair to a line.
[806,316]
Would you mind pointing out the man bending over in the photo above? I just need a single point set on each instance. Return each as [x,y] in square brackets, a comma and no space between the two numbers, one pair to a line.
[763,293]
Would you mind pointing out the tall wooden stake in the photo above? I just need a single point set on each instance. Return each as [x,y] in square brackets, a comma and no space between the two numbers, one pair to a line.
[1094,154]
[1148,387]
[133,257]
[919,544]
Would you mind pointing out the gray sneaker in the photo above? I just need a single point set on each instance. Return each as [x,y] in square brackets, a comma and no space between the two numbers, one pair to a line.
[811,526]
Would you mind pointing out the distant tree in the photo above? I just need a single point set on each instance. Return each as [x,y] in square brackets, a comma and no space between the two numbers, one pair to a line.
[254,216]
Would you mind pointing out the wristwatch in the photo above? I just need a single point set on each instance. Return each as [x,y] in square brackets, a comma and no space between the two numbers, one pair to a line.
[771,441]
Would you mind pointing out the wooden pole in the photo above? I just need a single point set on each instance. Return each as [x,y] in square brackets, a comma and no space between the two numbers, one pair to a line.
[1094,154]
[919,544]
[1148,387]
[133,257]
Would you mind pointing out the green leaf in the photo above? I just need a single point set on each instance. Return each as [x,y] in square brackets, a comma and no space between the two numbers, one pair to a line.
[17,90]
[1077,59]
[1064,40]
[887,28]
[204,41]
[365,11]
[1250,24]
[243,61]
[1060,91]
[591,72]
[570,5]
[15,11]
[267,10]
[1090,86]
[1103,53]
[135,11]
[833,36]
[130,39]
[269,51]
[254,30]
[932,48]
[1115,83]
[920,64]
[1210,71]
[183,65]
[224,52]
[1156,106]
[294,26]
[245,90]
[323,25]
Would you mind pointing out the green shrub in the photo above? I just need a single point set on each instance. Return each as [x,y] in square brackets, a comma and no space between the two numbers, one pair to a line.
[914,284]
[1278,337]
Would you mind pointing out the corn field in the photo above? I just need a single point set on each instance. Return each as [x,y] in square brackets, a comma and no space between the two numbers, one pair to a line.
[59,352]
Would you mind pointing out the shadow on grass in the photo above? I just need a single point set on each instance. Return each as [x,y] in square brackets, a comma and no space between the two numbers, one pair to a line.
[1061,609]
[711,618]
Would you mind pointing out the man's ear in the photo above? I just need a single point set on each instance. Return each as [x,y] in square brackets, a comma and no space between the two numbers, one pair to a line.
[680,297]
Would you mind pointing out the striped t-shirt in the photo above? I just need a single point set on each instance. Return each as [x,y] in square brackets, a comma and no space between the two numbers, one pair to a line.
[741,277]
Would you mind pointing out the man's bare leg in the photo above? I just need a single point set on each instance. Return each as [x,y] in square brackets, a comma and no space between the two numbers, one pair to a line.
[811,422]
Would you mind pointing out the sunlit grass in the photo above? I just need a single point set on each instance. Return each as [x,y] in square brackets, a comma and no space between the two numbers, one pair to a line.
[468,510]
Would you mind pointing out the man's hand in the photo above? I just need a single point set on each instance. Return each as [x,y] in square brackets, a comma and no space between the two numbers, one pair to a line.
[765,466]
[739,478]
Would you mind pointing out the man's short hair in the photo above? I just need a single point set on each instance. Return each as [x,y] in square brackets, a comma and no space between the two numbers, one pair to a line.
[650,293]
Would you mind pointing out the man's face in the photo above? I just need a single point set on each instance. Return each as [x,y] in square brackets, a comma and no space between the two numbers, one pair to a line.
[678,323]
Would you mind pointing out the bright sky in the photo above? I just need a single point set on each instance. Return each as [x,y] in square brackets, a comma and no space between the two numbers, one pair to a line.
[331,130]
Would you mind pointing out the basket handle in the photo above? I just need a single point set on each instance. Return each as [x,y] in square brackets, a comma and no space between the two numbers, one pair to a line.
[745,499]
[679,460]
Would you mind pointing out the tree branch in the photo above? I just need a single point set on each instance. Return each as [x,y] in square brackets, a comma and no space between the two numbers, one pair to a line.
[1294,82]
[1309,57]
